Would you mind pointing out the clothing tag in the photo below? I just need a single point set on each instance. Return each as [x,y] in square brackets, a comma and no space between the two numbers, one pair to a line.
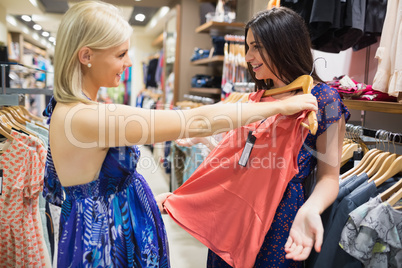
[227,88]
[245,155]
[1,181]
[357,156]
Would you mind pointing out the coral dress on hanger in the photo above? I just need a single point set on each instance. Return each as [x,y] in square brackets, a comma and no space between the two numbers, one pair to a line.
[230,207]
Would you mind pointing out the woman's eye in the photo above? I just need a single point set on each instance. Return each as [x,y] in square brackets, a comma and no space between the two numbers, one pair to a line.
[122,55]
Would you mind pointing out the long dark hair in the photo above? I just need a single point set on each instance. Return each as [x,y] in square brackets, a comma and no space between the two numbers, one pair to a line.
[285,37]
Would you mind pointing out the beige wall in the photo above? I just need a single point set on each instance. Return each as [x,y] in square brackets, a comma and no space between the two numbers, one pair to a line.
[190,20]
[3,24]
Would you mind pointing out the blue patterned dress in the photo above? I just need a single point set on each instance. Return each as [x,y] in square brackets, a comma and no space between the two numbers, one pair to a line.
[272,252]
[112,221]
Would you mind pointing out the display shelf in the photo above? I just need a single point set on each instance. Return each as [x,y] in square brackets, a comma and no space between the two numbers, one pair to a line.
[205,90]
[220,28]
[208,61]
[374,106]
[207,1]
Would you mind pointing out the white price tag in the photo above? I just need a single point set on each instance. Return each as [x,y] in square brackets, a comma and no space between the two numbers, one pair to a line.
[227,88]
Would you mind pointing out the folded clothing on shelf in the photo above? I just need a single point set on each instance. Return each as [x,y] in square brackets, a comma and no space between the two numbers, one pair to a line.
[203,80]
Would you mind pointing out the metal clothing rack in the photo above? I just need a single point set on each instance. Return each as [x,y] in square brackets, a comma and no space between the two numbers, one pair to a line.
[384,135]
[9,96]
[375,137]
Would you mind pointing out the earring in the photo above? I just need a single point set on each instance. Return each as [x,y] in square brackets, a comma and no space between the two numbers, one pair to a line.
[89,65]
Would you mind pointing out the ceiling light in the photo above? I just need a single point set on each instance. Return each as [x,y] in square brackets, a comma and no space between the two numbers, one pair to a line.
[45,34]
[52,39]
[140,17]
[37,27]
[34,3]
[26,18]
[137,0]
[11,20]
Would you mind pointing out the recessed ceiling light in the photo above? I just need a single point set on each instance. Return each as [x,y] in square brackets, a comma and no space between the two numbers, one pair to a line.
[11,20]
[137,0]
[26,18]
[52,39]
[37,27]
[45,34]
[140,17]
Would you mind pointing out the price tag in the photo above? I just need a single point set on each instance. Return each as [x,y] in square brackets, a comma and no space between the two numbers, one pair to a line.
[245,155]
[227,88]
[1,181]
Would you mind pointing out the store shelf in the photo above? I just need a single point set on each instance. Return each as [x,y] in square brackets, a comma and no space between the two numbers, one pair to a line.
[220,28]
[205,90]
[374,106]
[207,1]
[208,61]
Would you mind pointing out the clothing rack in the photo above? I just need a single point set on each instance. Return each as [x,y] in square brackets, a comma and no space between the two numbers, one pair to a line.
[195,98]
[377,135]
[384,135]
[9,96]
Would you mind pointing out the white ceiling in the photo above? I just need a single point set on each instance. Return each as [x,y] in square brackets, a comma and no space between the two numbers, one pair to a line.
[50,21]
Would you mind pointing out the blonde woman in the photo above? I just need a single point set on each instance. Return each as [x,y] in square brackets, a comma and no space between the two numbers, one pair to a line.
[109,215]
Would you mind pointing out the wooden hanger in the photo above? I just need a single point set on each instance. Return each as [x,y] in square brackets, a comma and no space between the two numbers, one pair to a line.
[391,190]
[14,115]
[379,162]
[26,115]
[395,197]
[15,124]
[394,169]
[5,134]
[371,163]
[367,158]
[29,114]
[348,152]
[5,127]
[385,165]
[304,82]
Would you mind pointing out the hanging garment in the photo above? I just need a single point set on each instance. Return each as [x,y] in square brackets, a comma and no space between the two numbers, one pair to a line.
[388,77]
[22,165]
[373,234]
[346,186]
[272,253]
[331,254]
[112,221]
[230,207]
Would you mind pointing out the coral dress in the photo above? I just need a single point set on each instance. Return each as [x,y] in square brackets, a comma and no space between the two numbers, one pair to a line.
[272,253]
[230,207]
[112,221]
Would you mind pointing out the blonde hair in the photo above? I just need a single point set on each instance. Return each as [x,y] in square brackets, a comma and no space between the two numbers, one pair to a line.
[92,24]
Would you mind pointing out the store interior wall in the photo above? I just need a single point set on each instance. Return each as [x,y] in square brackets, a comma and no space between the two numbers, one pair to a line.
[3,23]
[140,50]
[190,20]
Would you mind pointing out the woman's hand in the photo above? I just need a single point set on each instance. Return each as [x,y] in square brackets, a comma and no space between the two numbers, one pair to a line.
[306,231]
[298,103]
[160,199]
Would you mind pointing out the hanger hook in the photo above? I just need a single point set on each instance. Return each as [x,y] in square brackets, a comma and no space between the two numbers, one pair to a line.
[384,136]
[388,138]
[319,58]
[393,140]
[376,137]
